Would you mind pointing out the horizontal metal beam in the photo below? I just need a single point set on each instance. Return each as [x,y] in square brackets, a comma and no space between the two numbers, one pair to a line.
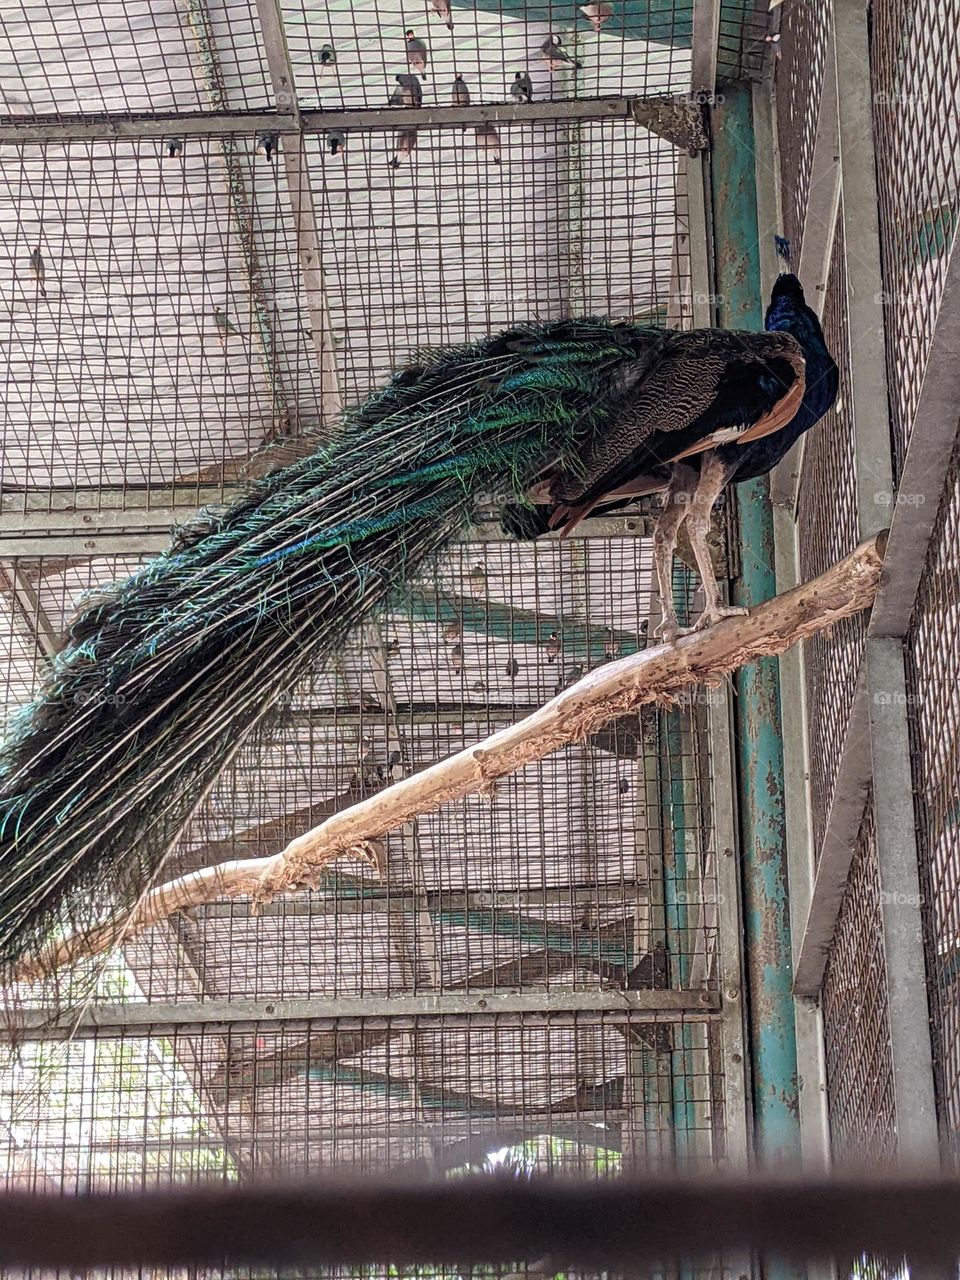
[319,903]
[646,111]
[32,130]
[109,507]
[35,543]
[81,545]
[389,1011]
[374,118]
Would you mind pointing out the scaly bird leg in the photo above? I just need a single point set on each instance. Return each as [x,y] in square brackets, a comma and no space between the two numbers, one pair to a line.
[676,508]
[714,476]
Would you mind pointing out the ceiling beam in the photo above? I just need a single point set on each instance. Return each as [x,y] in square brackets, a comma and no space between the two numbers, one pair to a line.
[225,123]
[574,1008]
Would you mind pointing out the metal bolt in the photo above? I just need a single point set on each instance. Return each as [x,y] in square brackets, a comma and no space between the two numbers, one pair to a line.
[733,993]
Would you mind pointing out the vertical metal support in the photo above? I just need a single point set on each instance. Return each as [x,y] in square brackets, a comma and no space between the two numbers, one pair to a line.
[300,195]
[758,715]
[730,960]
[26,609]
[673,800]
[811,1060]
[897,853]
[654,1060]
[706,32]
[911,1051]
[731,976]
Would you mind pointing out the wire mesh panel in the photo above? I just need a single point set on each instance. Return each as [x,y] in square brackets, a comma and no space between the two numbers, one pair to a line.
[168,338]
[916,82]
[742,45]
[574,1094]
[933,665]
[828,529]
[180,310]
[107,56]
[593,868]
[800,71]
[856,1020]
[640,49]
[211,348]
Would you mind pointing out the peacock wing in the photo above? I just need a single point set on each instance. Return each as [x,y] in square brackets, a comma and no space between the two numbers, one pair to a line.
[706,387]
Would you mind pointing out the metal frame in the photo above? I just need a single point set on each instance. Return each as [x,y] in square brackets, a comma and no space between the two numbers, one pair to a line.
[811,1065]
[368,1012]
[316,122]
[35,525]
[876,745]
[730,960]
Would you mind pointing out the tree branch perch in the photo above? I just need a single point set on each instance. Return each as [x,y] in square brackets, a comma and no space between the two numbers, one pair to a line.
[657,675]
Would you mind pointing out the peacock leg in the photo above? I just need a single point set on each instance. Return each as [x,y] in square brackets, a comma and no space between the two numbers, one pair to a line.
[714,476]
[676,507]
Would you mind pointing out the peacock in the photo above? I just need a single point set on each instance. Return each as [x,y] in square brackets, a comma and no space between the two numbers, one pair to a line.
[163,677]
[727,412]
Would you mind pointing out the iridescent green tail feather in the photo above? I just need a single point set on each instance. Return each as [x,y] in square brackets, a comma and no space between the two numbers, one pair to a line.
[161,678]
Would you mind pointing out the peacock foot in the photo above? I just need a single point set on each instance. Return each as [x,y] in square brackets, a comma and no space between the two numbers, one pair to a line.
[714,614]
[668,630]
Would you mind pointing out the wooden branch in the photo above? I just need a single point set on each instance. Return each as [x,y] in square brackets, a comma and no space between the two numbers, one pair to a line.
[657,675]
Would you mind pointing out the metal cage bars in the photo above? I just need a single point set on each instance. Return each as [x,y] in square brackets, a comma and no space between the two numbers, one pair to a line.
[875,748]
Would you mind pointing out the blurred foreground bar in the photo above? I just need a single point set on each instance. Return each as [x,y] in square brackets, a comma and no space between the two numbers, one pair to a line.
[622,1223]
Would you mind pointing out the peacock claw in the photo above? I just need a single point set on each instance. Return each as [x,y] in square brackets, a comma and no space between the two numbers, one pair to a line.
[667,631]
[715,614]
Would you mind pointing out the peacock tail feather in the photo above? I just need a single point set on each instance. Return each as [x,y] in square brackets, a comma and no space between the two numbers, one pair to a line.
[162,677]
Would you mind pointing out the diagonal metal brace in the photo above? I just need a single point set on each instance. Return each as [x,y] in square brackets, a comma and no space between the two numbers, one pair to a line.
[680,119]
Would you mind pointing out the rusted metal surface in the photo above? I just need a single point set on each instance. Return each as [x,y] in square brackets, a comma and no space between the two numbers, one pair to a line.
[679,120]
[758,714]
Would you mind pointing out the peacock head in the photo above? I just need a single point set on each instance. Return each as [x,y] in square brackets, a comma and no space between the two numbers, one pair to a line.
[786,297]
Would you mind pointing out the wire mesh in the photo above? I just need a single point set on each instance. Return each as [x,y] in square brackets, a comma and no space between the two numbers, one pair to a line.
[828,529]
[172,339]
[593,869]
[856,1019]
[915,85]
[742,45]
[800,71]
[200,302]
[640,50]
[933,663]
[110,57]
[572,1094]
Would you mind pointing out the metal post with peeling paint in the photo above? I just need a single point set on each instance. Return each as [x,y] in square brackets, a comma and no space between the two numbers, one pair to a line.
[758,721]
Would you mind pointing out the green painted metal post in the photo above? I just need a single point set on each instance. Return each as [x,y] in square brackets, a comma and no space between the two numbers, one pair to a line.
[758,714]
